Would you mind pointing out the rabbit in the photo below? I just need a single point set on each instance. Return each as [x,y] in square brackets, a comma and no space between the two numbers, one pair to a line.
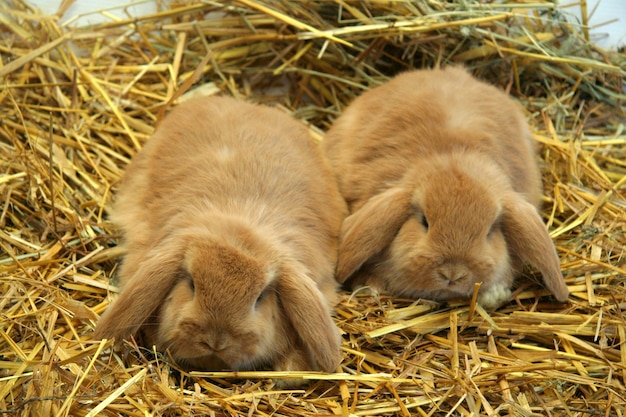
[230,216]
[440,176]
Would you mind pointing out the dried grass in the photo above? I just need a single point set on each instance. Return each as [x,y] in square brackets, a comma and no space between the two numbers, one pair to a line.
[76,104]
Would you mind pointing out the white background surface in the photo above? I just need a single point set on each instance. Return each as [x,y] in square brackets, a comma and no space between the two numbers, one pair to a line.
[83,9]
[608,17]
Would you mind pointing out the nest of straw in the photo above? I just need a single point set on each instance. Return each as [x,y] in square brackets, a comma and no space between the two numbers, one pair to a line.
[77,104]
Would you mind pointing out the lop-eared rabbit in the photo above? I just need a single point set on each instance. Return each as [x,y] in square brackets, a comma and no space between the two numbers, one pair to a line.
[231,216]
[440,175]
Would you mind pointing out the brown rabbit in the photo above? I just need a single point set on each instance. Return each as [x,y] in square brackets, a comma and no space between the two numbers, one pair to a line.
[231,219]
[439,173]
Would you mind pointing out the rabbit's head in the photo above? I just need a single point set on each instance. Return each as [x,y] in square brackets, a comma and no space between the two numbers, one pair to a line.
[217,303]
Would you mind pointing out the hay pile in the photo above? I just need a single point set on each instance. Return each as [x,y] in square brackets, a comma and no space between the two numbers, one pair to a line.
[76,104]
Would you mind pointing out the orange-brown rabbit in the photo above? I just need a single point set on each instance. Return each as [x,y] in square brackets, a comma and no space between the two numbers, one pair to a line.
[231,219]
[439,173]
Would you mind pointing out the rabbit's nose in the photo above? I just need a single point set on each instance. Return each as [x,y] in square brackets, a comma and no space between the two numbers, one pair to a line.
[217,342]
[453,272]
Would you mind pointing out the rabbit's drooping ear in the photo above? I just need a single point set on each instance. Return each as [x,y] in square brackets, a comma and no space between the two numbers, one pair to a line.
[528,237]
[308,313]
[371,228]
[143,293]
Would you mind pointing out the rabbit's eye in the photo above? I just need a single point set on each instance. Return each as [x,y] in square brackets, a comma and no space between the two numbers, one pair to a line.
[424,221]
[261,297]
[495,227]
[185,278]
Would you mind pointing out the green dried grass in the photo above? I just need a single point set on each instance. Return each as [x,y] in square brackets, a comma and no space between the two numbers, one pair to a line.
[95,94]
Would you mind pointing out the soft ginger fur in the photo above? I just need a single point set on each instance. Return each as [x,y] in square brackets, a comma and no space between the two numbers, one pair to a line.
[231,217]
[439,172]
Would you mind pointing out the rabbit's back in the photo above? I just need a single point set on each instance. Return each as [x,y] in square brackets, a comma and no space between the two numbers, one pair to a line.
[207,154]
[221,155]
[388,131]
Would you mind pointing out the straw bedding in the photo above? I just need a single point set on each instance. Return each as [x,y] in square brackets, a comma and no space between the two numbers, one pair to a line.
[76,104]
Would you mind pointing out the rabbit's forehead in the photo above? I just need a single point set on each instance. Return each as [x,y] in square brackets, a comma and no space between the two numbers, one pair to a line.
[229,292]
[219,269]
[461,202]
[462,185]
